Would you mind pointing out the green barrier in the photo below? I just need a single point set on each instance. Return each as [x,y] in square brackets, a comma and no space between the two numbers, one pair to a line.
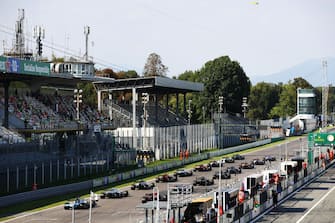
[276,139]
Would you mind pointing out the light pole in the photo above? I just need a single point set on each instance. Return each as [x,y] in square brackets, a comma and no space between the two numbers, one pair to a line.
[286,151]
[39,34]
[73,215]
[110,111]
[90,210]
[244,106]
[189,111]
[78,99]
[155,194]
[220,117]
[220,103]
[203,114]
[145,100]
[301,147]
[219,196]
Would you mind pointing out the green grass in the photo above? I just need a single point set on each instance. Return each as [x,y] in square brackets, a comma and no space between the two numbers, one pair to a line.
[41,204]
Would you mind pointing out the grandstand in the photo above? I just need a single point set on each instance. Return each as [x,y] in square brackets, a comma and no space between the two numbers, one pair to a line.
[29,110]
[47,138]
[157,87]
[40,129]
[234,126]
[169,118]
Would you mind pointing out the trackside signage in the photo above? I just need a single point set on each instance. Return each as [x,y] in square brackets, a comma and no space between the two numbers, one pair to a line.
[321,139]
[2,64]
[35,68]
[14,65]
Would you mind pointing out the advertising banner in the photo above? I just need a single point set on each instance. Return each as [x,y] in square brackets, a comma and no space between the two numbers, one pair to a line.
[35,68]
[13,65]
[3,63]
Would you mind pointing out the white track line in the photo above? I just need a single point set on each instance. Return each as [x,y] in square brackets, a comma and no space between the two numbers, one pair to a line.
[317,203]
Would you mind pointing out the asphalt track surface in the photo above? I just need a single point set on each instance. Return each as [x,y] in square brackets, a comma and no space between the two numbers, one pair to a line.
[125,210]
[312,203]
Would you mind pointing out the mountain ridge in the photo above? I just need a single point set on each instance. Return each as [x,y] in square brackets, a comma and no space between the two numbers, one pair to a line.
[311,70]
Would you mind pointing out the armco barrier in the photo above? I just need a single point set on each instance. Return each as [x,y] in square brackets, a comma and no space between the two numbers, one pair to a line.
[43,193]
[88,185]
[239,148]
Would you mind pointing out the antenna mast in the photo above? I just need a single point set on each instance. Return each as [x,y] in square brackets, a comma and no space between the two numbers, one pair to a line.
[325,89]
[86,32]
[39,34]
[18,47]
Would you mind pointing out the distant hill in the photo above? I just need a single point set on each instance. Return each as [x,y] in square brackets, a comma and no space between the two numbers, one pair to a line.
[310,70]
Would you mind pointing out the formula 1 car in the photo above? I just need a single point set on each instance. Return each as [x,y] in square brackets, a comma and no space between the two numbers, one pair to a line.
[229,160]
[247,165]
[79,204]
[224,175]
[258,162]
[150,196]
[114,193]
[215,163]
[142,185]
[269,158]
[166,178]
[203,181]
[184,173]
[238,157]
[234,170]
[203,167]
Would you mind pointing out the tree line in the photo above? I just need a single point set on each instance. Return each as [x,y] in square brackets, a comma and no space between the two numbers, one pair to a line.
[223,77]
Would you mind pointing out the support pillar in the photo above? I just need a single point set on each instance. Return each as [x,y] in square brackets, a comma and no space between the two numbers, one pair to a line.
[167,105]
[177,105]
[156,108]
[99,100]
[184,103]
[5,122]
[110,104]
[134,94]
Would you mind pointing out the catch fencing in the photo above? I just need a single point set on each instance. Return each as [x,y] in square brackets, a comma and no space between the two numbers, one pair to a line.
[168,142]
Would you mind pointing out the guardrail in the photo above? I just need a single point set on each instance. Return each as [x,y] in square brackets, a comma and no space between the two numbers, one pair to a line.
[88,185]
[43,193]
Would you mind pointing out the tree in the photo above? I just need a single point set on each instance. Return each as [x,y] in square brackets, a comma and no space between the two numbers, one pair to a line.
[107,72]
[263,97]
[190,76]
[300,82]
[55,59]
[126,74]
[223,77]
[287,104]
[89,94]
[154,66]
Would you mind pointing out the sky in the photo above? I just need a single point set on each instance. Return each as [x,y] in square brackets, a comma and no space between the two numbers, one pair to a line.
[264,36]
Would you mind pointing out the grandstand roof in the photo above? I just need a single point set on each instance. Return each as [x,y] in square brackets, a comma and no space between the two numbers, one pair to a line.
[54,80]
[151,85]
